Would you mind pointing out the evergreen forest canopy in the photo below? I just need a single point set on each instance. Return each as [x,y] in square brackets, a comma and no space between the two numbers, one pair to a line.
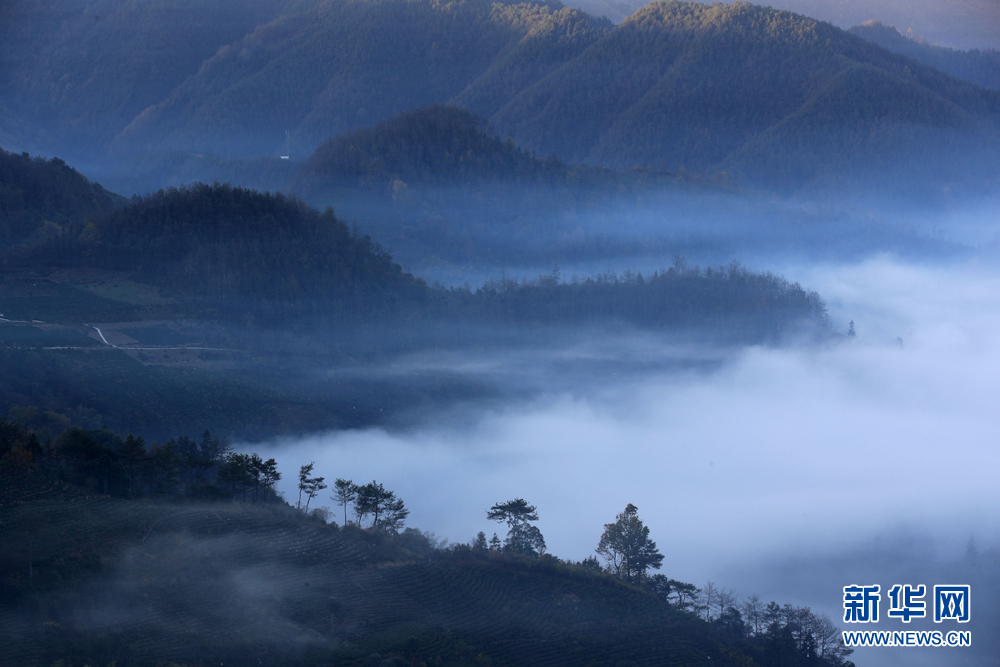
[39,197]
[214,305]
[960,24]
[231,253]
[97,525]
[434,146]
[980,66]
[794,105]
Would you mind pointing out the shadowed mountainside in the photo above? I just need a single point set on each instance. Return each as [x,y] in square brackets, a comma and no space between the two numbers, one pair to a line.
[39,197]
[977,66]
[781,101]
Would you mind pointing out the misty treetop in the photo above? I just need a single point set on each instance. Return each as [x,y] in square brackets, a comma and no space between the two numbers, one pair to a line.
[731,301]
[230,253]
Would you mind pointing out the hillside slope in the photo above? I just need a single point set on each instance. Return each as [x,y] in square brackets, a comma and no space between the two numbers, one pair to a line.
[780,100]
[338,65]
[78,73]
[232,249]
[784,102]
[977,66]
[38,197]
[960,24]
[144,583]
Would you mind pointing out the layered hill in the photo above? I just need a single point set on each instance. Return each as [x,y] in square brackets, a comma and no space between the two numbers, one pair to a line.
[232,249]
[39,197]
[977,66]
[76,74]
[338,65]
[782,101]
[962,24]
[436,145]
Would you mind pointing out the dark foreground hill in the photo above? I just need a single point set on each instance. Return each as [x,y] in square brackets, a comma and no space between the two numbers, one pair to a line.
[115,554]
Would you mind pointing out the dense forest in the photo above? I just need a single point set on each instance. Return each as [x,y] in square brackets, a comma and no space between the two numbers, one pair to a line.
[794,105]
[435,145]
[236,254]
[215,306]
[223,244]
[39,197]
[975,65]
[962,24]
[171,535]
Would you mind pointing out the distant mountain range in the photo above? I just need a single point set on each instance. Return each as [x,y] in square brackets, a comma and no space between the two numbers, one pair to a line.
[780,101]
[977,66]
[960,24]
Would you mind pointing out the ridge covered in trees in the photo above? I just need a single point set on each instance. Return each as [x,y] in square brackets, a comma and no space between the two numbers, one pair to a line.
[233,253]
[113,551]
[780,101]
[229,246]
[436,145]
[981,66]
[39,197]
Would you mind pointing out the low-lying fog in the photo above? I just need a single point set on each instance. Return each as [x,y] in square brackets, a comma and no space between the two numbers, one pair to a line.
[787,472]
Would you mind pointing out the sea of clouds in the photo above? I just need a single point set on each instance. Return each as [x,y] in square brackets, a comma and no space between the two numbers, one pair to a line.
[787,471]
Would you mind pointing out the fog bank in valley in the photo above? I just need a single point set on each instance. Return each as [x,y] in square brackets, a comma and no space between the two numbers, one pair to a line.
[767,456]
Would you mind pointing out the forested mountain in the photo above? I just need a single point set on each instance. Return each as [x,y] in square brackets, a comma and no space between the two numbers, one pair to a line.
[962,24]
[977,66]
[233,249]
[39,197]
[215,306]
[338,65]
[437,145]
[781,101]
[76,73]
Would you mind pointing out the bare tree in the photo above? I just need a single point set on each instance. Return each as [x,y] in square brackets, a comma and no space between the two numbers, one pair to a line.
[710,596]
[724,599]
[753,612]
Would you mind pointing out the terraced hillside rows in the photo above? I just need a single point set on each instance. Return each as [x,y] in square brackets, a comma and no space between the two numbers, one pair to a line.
[105,580]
